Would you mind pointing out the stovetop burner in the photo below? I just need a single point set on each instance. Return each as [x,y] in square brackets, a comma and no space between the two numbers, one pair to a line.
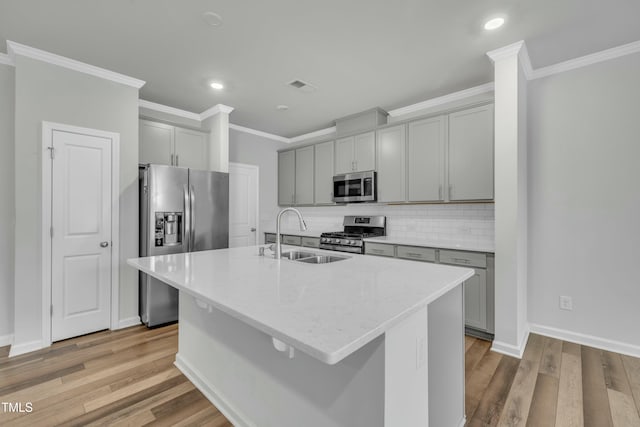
[356,228]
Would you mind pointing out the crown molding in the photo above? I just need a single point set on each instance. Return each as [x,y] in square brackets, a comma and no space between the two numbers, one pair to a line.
[260,133]
[518,49]
[216,109]
[169,110]
[583,61]
[441,100]
[314,134]
[61,61]
[6,59]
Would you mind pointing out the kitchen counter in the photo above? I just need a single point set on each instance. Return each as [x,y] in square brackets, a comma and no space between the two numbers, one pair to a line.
[361,342]
[454,243]
[327,311]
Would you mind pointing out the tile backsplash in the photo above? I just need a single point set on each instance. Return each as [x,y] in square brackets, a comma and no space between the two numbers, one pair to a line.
[473,221]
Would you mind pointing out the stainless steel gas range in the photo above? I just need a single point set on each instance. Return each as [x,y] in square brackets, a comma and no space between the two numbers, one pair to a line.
[356,228]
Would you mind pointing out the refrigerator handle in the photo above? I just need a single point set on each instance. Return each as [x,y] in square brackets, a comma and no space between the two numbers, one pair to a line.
[186,230]
[192,219]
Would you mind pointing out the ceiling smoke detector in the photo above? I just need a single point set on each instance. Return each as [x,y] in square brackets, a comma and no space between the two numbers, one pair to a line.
[212,19]
[302,86]
[282,107]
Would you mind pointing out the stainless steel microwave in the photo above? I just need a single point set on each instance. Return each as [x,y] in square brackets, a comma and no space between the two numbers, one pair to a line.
[355,187]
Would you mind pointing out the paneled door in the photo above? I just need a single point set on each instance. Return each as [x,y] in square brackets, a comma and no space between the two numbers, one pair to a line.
[81,213]
[243,205]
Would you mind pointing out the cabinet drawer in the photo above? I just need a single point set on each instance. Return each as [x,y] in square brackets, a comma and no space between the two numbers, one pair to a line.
[311,242]
[416,253]
[292,240]
[269,238]
[470,259]
[378,249]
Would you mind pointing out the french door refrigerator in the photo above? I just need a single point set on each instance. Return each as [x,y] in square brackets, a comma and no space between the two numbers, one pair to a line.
[181,210]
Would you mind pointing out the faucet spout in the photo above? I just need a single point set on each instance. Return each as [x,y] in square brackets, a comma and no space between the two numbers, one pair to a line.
[303,227]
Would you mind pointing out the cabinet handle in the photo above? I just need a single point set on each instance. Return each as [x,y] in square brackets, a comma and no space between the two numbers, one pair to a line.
[355,165]
[440,191]
[171,159]
[377,251]
[450,191]
[461,260]
[177,160]
[413,254]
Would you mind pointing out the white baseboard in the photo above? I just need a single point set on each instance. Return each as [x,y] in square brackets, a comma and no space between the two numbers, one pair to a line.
[588,340]
[463,421]
[6,340]
[214,396]
[510,349]
[131,321]
[18,349]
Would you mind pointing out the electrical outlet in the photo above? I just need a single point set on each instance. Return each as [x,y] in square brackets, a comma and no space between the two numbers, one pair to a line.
[566,303]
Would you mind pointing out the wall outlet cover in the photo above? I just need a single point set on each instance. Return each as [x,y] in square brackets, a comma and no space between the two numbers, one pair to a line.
[566,303]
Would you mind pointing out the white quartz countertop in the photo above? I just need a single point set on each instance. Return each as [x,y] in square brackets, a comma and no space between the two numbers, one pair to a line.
[453,243]
[325,310]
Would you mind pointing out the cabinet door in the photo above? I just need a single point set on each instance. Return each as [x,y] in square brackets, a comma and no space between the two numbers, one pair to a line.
[391,164]
[323,181]
[155,143]
[425,160]
[475,300]
[304,176]
[364,152]
[471,154]
[286,177]
[191,149]
[344,155]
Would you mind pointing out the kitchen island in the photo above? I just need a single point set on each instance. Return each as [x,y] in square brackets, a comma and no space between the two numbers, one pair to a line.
[363,341]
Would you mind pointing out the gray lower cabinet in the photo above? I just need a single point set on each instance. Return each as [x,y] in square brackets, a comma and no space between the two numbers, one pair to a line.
[311,242]
[471,154]
[323,169]
[269,237]
[478,290]
[391,164]
[288,239]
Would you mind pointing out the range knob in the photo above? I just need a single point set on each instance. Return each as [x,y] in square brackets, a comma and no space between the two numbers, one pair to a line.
[336,241]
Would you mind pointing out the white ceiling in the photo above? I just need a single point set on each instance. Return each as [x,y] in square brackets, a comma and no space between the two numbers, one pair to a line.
[359,53]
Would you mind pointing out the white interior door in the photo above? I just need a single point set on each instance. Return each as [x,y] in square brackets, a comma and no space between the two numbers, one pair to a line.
[243,205]
[81,234]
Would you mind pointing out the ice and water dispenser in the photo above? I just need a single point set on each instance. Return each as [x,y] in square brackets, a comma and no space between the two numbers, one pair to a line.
[168,228]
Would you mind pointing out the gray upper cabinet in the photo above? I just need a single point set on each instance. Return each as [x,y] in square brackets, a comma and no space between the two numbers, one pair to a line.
[391,164]
[471,154]
[156,143]
[426,159]
[304,165]
[356,153]
[164,144]
[323,181]
[286,177]
[191,149]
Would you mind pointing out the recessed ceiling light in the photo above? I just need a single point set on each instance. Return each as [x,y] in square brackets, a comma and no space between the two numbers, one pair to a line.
[212,19]
[282,107]
[216,85]
[494,23]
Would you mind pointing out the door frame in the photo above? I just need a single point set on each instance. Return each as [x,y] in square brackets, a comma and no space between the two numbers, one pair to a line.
[257,169]
[47,135]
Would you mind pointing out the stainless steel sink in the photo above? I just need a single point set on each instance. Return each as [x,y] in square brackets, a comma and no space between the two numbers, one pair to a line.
[312,257]
[322,259]
[295,255]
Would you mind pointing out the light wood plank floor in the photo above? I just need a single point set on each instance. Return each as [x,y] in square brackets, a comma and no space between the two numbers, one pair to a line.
[127,377]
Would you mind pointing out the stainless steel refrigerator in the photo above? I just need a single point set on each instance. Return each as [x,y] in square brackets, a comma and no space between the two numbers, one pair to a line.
[181,210]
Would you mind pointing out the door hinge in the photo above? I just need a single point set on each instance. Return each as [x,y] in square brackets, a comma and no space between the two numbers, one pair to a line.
[51,231]
[52,152]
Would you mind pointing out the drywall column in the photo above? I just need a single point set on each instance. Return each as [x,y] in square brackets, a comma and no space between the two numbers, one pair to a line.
[216,121]
[510,198]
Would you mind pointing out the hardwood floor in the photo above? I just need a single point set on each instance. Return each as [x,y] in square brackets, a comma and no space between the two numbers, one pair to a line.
[127,377]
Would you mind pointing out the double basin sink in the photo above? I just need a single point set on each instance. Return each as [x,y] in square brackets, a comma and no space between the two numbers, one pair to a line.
[312,257]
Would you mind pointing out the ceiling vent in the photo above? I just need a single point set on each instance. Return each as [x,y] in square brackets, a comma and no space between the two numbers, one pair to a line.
[302,86]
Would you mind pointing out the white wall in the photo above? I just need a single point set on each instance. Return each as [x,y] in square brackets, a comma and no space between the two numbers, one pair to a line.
[45,92]
[262,152]
[6,203]
[584,200]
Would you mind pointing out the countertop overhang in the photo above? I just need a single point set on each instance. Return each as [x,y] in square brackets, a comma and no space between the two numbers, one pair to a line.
[327,311]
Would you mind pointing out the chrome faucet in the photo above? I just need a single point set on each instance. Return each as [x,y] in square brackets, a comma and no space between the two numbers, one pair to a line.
[303,227]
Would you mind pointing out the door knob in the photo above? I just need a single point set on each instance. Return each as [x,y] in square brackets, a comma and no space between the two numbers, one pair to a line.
[104,244]
[253,229]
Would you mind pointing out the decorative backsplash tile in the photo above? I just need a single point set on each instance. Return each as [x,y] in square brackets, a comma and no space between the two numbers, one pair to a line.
[473,221]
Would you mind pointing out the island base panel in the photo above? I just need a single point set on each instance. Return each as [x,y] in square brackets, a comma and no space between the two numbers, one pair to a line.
[239,370]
